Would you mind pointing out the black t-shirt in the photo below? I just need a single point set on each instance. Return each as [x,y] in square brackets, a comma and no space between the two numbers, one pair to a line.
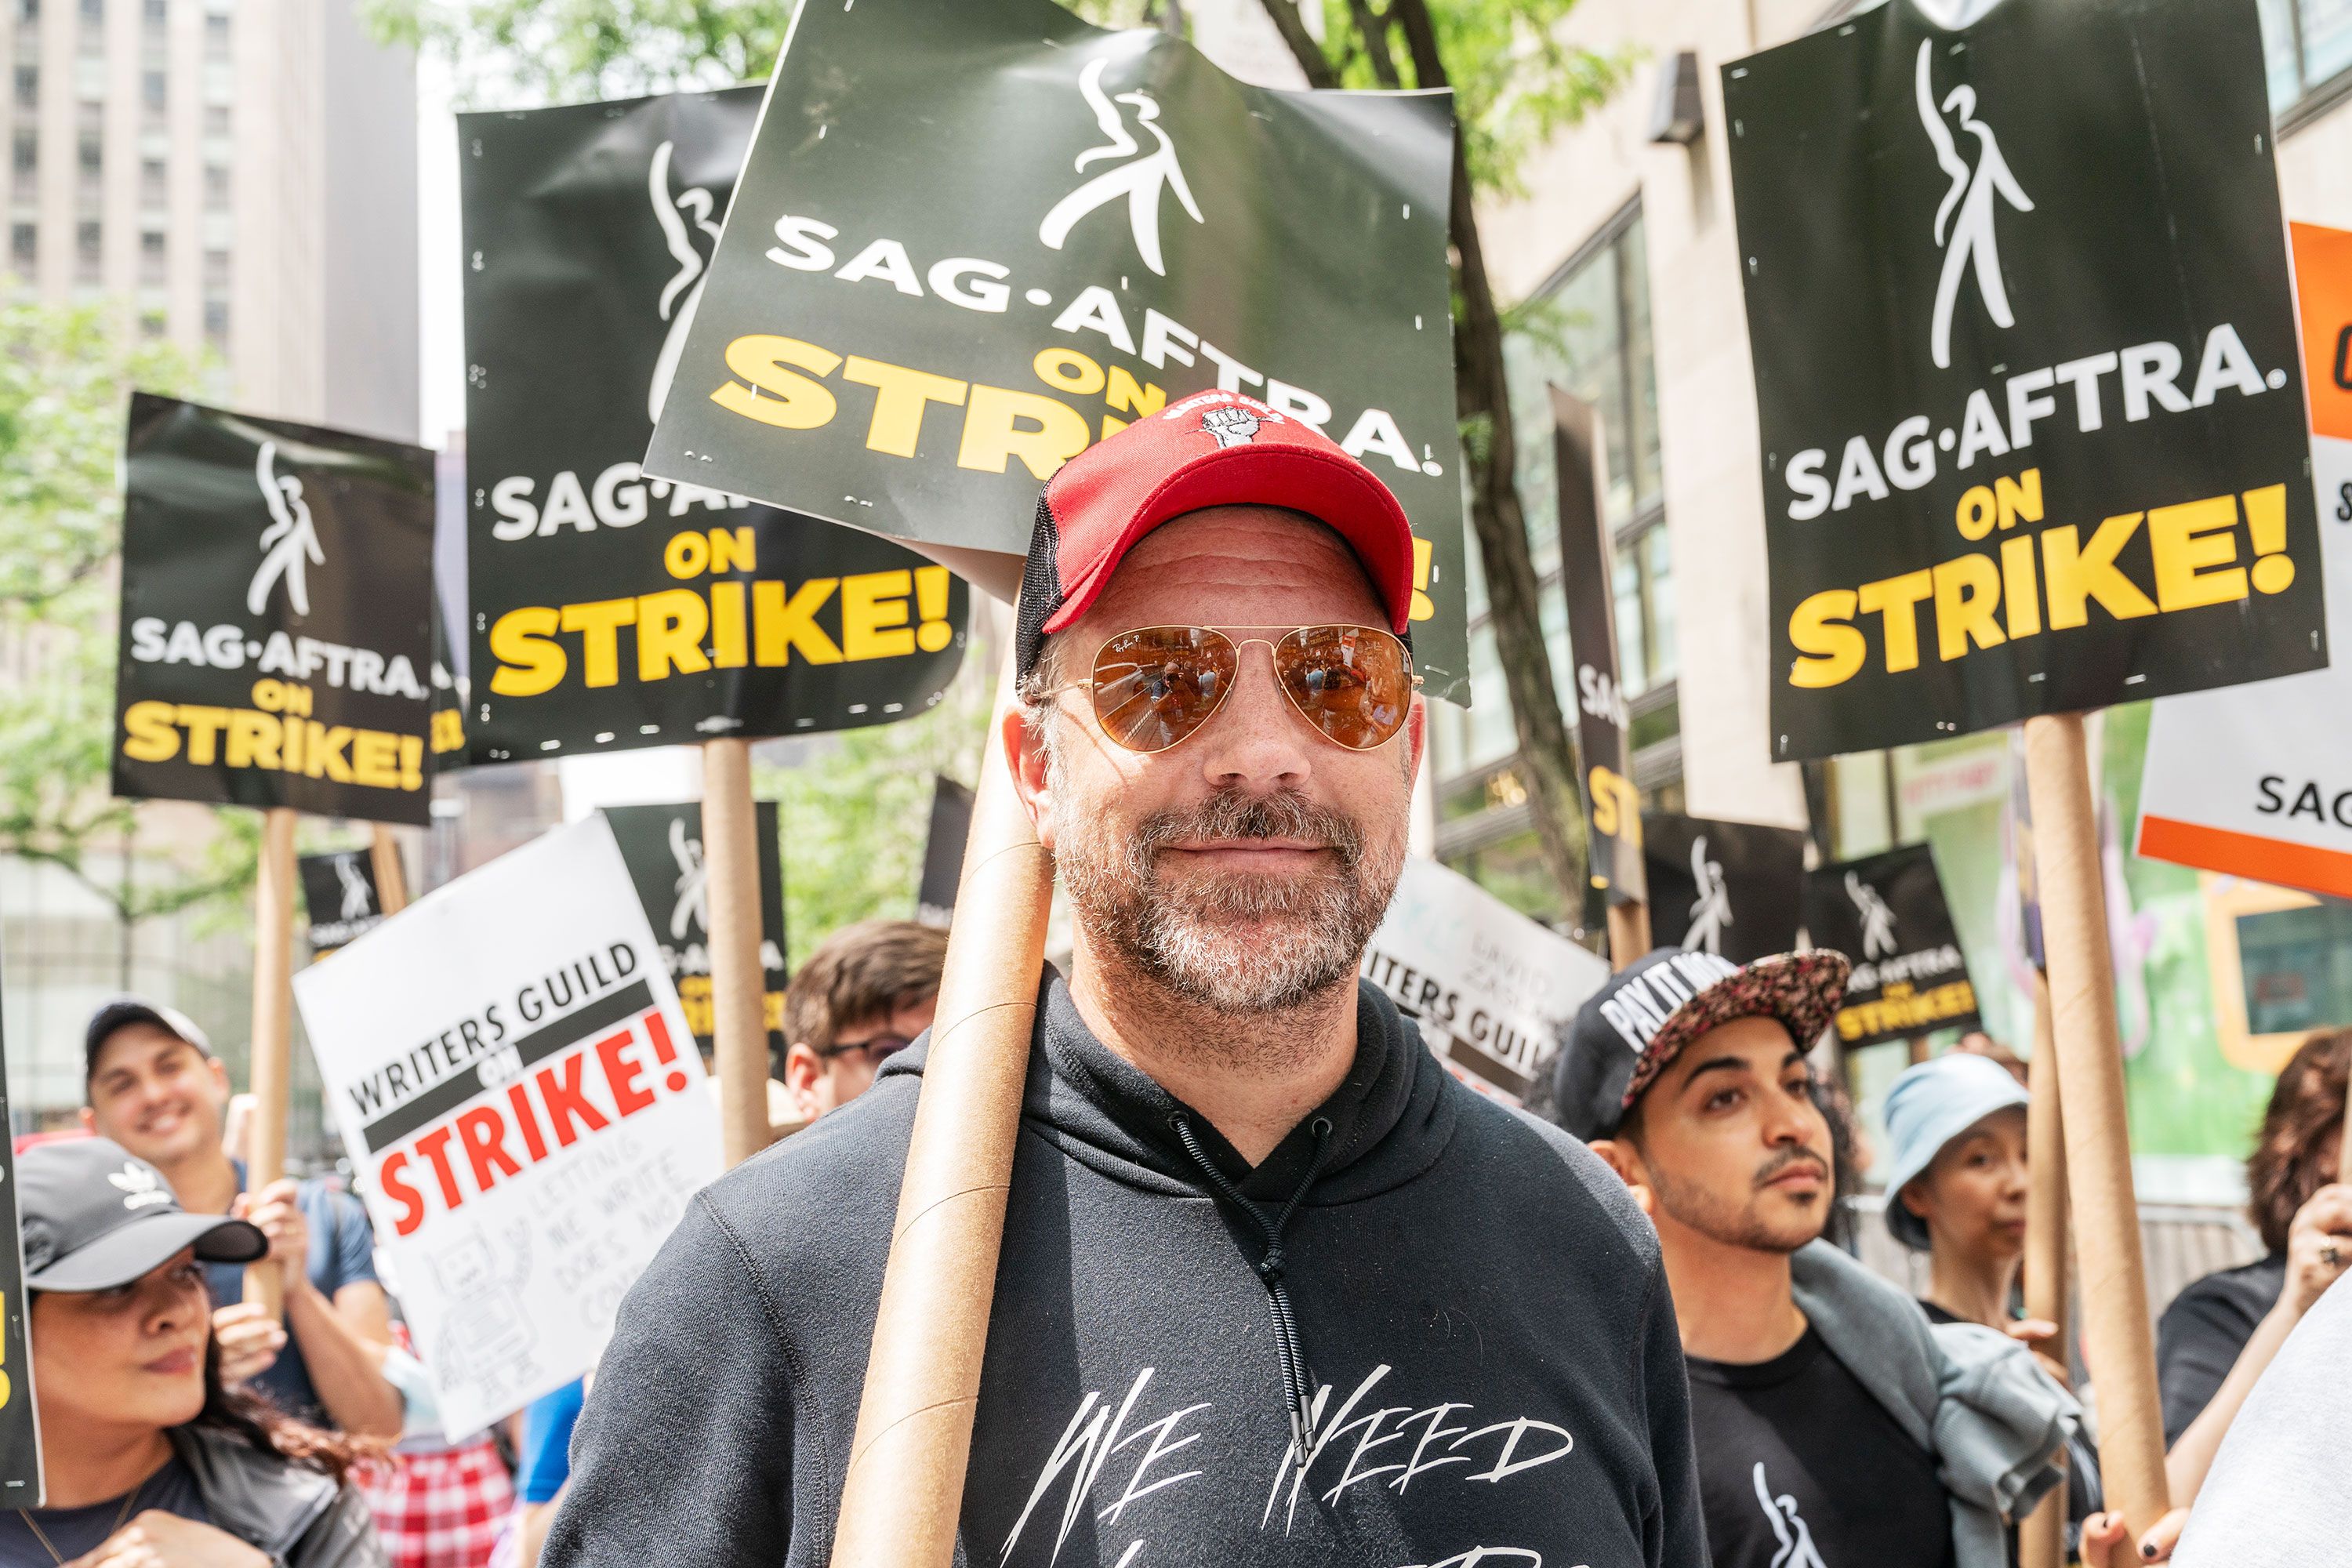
[2199,1336]
[75,1532]
[1798,1467]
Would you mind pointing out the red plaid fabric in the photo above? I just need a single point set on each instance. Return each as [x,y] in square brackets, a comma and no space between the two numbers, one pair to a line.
[440,1511]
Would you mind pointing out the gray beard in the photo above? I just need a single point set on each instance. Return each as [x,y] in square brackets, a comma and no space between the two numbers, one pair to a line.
[1229,944]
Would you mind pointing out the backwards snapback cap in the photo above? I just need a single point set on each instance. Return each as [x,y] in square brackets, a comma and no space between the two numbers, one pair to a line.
[1214,448]
[1631,1030]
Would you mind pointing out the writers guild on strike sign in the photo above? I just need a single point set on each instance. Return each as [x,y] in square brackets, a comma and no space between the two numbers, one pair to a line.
[277,605]
[924,303]
[2006,471]
[530,1124]
[610,610]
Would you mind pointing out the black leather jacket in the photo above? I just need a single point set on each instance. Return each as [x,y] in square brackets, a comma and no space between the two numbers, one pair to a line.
[300,1518]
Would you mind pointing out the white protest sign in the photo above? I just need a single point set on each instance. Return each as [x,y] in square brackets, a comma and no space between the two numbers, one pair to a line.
[1493,989]
[514,1079]
[2256,780]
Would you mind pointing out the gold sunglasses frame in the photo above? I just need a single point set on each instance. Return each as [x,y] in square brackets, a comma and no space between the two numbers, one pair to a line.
[1240,646]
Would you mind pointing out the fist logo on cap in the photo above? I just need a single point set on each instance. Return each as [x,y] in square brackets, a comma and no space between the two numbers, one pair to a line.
[1232,425]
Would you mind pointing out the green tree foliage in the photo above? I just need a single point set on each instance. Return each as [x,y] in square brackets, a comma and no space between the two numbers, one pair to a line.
[66,377]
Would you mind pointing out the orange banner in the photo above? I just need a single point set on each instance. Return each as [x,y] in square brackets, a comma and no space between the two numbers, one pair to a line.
[2323,283]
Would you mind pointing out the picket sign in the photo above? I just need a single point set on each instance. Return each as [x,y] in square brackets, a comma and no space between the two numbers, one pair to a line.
[391,873]
[739,981]
[2041,1541]
[272,1064]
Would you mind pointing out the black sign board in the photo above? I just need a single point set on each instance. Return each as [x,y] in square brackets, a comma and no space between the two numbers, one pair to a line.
[663,847]
[20,1428]
[973,236]
[943,851]
[1732,889]
[1612,807]
[276,616]
[340,892]
[609,610]
[1887,914]
[2026,367]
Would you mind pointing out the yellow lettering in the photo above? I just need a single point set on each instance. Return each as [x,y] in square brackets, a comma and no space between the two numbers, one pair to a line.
[1895,602]
[1002,425]
[203,726]
[375,758]
[1968,592]
[1822,633]
[599,624]
[780,625]
[2021,586]
[670,624]
[1068,369]
[529,659]
[685,554]
[793,401]
[730,647]
[2078,575]
[252,740]
[901,395]
[152,737]
[2019,497]
[2186,542]
[734,549]
[322,751]
[871,604]
[1140,401]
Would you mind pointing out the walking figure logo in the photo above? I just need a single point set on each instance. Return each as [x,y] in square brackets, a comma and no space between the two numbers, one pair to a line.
[693,906]
[1141,181]
[1972,244]
[1789,1528]
[691,207]
[291,539]
[1877,919]
[1711,911]
[359,899]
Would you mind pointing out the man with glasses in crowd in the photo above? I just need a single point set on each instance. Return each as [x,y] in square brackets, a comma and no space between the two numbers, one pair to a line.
[867,992]
[1274,1288]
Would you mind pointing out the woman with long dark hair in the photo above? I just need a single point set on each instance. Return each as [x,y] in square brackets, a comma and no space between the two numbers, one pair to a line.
[149,1461]
[2219,1335]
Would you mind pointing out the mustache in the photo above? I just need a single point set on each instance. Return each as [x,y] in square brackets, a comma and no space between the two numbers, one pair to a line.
[1233,815]
[1780,1164]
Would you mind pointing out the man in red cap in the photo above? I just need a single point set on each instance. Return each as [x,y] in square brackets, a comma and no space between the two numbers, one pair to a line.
[1274,1288]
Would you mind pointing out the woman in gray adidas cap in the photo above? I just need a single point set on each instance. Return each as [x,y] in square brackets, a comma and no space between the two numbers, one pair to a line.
[147,1461]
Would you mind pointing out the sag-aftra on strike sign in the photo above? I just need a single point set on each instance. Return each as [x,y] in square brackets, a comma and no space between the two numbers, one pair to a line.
[2026,367]
[973,236]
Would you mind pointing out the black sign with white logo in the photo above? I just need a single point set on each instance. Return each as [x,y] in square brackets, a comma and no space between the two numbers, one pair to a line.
[1732,889]
[974,237]
[662,846]
[610,610]
[1887,914]
[340,891]
[943,852]
[1612,807]
[276,642]
[2026,367]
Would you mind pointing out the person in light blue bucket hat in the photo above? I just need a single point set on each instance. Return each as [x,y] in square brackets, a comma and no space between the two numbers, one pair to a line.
[1955,1190]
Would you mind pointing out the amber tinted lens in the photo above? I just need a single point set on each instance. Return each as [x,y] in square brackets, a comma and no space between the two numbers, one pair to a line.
[1155,686]
[1353,683]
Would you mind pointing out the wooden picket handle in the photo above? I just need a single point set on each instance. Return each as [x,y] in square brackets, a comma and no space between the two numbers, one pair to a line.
[2041,1538]
[2119,1342]
[1629,934]
[272,1049]
[391,872]
[739,984]
[900,1503]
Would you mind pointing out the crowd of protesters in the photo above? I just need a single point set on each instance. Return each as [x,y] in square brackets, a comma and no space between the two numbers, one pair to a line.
[1247,1178]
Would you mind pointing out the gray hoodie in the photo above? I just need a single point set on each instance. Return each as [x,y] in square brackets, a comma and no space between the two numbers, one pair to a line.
[1970,1396]
[300,1517]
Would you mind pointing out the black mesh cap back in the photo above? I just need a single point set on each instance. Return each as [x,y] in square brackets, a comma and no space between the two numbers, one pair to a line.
[1041,589]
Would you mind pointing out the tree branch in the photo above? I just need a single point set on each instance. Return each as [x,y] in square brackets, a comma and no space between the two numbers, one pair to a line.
[1284,14]
[1373,30]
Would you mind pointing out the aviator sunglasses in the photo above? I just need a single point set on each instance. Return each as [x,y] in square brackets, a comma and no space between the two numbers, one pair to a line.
[1156,686]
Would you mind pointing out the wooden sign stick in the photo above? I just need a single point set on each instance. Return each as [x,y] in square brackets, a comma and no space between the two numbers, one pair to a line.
[2119,1342]
[391,872]
[739,984]
[272,1052]
[900,1503]
[2042,1540]
[1629,934]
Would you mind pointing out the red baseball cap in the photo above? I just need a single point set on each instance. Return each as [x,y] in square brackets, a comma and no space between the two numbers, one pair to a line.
[1213,448]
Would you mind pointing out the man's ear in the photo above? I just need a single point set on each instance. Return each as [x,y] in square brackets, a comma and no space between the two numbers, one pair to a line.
[1626,1161]
[1024,754]
[802,1067]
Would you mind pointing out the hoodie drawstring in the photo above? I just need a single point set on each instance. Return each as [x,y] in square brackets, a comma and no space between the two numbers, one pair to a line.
[1297,1393]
